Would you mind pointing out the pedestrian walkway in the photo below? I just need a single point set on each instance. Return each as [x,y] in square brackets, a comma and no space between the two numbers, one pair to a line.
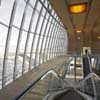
[21,83]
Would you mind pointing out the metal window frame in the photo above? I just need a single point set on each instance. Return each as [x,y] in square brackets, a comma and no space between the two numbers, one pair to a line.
[52,42]
[28,35]
[7,41]
[19,38]
[50,13]
[62,43]
[57,43]
[49,40]
[33,41]
[48,36]
[60,47]
[36,51]
[41,49]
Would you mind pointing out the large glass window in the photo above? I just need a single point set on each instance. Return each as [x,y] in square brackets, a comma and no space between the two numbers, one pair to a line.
[19,12]
[27,18]
[29,43]
[11,54]
[3,36]
[5,11]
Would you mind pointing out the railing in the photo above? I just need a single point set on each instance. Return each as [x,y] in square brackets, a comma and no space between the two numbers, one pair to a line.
[35,82]
[91,86]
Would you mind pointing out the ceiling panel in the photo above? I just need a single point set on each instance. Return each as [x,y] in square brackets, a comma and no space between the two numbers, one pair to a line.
[88,22]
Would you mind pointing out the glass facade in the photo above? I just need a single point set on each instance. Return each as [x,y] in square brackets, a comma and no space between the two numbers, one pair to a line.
[30,33]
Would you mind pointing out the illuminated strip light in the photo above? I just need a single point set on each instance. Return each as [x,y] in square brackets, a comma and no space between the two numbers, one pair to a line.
[78,31]
[78,38]
[98,37]
[78,8]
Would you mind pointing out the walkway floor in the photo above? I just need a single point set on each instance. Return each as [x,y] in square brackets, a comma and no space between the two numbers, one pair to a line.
[16,87]
[70,95]
[38,91]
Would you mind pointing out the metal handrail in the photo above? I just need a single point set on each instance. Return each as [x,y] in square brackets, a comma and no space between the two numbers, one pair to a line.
[35,82]
[90,75]
[51,70]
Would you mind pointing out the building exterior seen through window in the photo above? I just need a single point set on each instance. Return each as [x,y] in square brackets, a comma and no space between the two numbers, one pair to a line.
[30,34]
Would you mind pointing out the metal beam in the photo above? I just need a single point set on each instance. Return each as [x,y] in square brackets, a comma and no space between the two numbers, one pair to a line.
[7,42]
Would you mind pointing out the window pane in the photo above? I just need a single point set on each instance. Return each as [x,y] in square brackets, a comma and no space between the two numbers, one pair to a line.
[43,29]
[35,21]
[11,55]
[39,6]
[27,18]
[29,44]
[19,12]
[32,2]
[39,25]
[13,41]
[20,53]
[28,50]
[5,11]
[34,49]
[3,36]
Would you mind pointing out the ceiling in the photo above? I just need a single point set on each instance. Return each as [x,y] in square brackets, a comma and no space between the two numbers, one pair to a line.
[88,22]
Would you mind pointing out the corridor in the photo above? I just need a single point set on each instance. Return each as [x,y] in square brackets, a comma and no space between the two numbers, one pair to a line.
[49,49]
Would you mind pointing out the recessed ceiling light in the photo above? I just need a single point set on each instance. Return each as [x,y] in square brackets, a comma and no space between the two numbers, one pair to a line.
[78,38]
[78,8]
[98,37]
[78,31]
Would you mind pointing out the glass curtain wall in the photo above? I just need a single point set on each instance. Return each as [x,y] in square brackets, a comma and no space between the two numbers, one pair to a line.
[30,33]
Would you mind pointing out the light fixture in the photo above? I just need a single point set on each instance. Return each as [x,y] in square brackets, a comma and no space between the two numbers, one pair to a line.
[78,38]
[78,8]
[78,31]
[98,37]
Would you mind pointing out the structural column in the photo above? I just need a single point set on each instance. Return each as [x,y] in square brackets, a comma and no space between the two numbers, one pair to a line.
[75,68]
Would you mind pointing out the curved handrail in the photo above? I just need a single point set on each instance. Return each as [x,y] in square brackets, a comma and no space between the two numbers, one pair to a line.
[50,70]
[35,81]
[90,75]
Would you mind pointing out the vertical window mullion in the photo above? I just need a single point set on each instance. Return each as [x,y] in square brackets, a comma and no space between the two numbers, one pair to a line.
[37,48]
[33,41]
[52,49]
[28,35]
[53,42]
[58,49]
[57,42]
[61,43]
[42,44]
[65,41]
[7,41]
[48,38]
[19,38]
